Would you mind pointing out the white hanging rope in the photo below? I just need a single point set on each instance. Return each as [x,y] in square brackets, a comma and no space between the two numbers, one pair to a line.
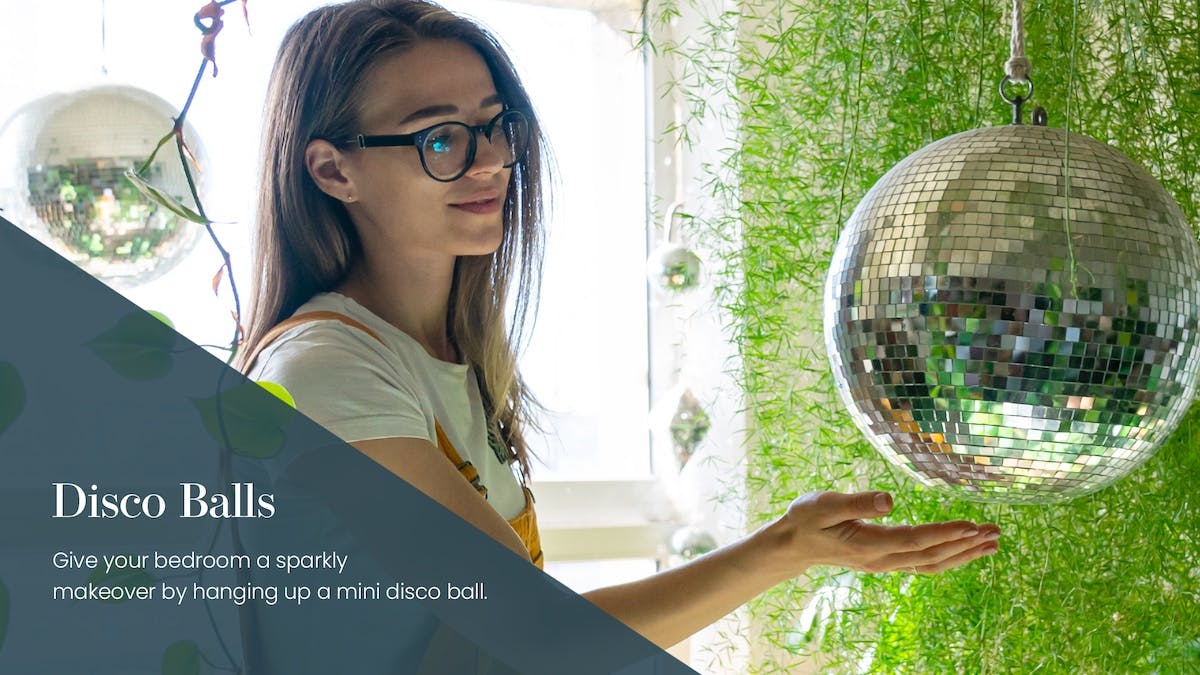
[1018,64]
[103,38]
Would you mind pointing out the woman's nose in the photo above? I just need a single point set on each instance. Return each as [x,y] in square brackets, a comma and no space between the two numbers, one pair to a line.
[489,153]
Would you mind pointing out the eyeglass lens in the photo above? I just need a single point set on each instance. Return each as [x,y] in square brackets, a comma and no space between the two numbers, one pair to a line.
[448,148]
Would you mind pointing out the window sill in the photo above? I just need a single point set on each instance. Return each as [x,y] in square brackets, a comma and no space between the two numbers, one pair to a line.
[592,520]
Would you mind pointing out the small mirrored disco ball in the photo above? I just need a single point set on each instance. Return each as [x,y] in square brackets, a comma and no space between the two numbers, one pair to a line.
[674,269]
[690,542]
[71,154]
[999,347]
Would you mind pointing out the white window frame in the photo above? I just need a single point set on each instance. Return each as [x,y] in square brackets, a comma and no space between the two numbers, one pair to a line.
[582,520]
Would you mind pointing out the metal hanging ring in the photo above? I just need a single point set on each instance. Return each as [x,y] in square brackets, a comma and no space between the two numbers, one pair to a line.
[1012,100]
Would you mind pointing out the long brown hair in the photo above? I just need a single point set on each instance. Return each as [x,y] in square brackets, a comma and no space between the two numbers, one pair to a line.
[305,242]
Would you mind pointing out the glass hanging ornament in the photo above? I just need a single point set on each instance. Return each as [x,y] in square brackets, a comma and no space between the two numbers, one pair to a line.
[1011,312]
[690,542]
[689,427]
[673,268]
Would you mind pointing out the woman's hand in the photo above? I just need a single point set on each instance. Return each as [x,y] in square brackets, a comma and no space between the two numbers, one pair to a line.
[827,528]
[819,528]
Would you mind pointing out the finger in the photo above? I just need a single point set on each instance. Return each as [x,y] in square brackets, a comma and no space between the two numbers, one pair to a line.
[980,551]
[836,507]
[889,539]
[936,555]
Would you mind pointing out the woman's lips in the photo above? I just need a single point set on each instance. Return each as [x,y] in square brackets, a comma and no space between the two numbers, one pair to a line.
[481,206]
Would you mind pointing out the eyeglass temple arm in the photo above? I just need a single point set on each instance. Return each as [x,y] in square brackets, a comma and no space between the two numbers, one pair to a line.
[382,140]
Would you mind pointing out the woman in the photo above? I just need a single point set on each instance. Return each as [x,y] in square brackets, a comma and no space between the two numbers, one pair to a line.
[400,199]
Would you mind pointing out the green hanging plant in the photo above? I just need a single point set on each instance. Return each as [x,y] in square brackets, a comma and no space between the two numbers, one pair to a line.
[826,97]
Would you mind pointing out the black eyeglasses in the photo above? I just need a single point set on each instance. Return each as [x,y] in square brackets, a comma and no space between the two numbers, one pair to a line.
[447,149]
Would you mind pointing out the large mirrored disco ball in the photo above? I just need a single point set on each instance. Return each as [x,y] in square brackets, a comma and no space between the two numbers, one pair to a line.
[67,154]
[999,347]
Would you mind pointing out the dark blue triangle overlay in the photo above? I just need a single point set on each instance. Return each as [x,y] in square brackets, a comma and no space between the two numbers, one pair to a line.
[96,392]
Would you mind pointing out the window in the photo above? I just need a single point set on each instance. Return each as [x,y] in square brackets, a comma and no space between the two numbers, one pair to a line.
[587,360]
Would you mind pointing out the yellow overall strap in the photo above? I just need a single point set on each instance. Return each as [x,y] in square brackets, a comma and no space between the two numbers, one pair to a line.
[525,523]
[465,467]
[526,527]
[298,319]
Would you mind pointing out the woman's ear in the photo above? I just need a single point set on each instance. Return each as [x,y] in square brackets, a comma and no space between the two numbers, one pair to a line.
[325,163]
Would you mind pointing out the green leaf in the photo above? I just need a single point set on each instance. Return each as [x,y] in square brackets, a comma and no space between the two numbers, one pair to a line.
[161,317]
[182,658]
[4,605]
[278,391]
[139,347]
[156,195]
[253,422]
[161,142]
[123,578]
[12,394]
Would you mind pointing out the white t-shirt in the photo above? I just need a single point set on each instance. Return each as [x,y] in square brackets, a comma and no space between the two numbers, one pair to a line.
[359,389]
